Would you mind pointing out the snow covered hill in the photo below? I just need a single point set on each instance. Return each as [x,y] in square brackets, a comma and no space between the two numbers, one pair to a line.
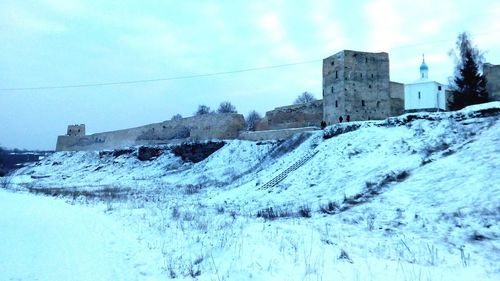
[414,197]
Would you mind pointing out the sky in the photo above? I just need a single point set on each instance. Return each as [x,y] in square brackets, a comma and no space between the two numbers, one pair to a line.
[46,43]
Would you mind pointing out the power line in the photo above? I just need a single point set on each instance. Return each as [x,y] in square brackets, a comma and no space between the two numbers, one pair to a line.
[208,74]
[159,79]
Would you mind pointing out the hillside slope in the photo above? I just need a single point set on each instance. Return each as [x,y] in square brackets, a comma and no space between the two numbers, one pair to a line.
[414,197]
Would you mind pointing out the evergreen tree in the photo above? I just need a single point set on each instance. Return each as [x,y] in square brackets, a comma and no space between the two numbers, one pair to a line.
[469,85]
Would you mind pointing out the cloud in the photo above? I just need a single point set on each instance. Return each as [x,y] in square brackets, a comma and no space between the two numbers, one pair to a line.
[19,19]
[274,34]
[487,36]
[149,35]
[272,27]
[385,23]
[328,32]
[66,7]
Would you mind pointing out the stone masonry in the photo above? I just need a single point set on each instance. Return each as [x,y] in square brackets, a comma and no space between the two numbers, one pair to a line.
[492,73]
[76,130]
[397,94]
[293,116]
[356,87]
[203,127]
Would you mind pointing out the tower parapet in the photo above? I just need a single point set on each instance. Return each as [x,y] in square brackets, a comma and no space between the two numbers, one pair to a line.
[76,130]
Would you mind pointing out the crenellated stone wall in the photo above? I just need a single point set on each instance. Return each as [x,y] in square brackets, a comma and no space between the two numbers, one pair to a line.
[76,130]
[203,127]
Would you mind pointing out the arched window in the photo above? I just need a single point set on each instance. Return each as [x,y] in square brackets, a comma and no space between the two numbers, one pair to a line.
[336,103]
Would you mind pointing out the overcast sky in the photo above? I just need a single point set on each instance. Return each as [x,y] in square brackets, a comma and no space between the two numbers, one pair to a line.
[66,42]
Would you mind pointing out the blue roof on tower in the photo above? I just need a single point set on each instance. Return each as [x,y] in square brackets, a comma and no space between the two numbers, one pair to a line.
[424,66]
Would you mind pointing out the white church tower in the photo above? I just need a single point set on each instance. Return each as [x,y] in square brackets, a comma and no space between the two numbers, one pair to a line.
[424,94]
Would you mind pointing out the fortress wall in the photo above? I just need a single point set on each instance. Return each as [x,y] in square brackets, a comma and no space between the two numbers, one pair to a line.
[273,134]
[397,93]
[204,127]
[293,116]
[492,73]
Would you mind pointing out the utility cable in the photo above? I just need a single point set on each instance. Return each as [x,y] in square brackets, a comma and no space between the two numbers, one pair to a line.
[205,74]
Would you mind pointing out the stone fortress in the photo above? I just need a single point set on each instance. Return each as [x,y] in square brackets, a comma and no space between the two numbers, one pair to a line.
[356,87]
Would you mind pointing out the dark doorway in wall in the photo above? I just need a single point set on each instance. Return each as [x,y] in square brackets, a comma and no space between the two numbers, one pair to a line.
[348,118]
[341,119]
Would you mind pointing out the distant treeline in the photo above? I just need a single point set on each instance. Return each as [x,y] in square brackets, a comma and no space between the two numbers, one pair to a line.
[11,159]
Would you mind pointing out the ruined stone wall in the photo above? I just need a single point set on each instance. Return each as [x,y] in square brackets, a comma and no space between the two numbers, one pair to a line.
[356,86]
[293,116]
[204,127]
[492,73]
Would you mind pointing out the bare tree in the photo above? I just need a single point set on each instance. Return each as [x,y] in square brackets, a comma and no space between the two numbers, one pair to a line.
[305,97]
[226,107]
[202,110]
[176,117]
[252,119]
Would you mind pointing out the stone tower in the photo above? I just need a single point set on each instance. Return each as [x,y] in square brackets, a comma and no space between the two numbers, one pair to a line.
[76,130]
[356,87]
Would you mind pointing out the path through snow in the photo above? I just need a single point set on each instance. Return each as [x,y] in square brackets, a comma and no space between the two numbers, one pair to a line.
[43,238]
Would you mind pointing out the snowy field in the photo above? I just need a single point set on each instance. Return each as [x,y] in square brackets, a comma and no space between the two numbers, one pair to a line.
[416,197]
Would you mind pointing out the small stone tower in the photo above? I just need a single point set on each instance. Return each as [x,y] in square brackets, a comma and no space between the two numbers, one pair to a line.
[76,130]
[356,87]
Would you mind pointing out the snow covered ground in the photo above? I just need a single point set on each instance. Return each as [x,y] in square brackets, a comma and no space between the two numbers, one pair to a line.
[415,197]
[43,238]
